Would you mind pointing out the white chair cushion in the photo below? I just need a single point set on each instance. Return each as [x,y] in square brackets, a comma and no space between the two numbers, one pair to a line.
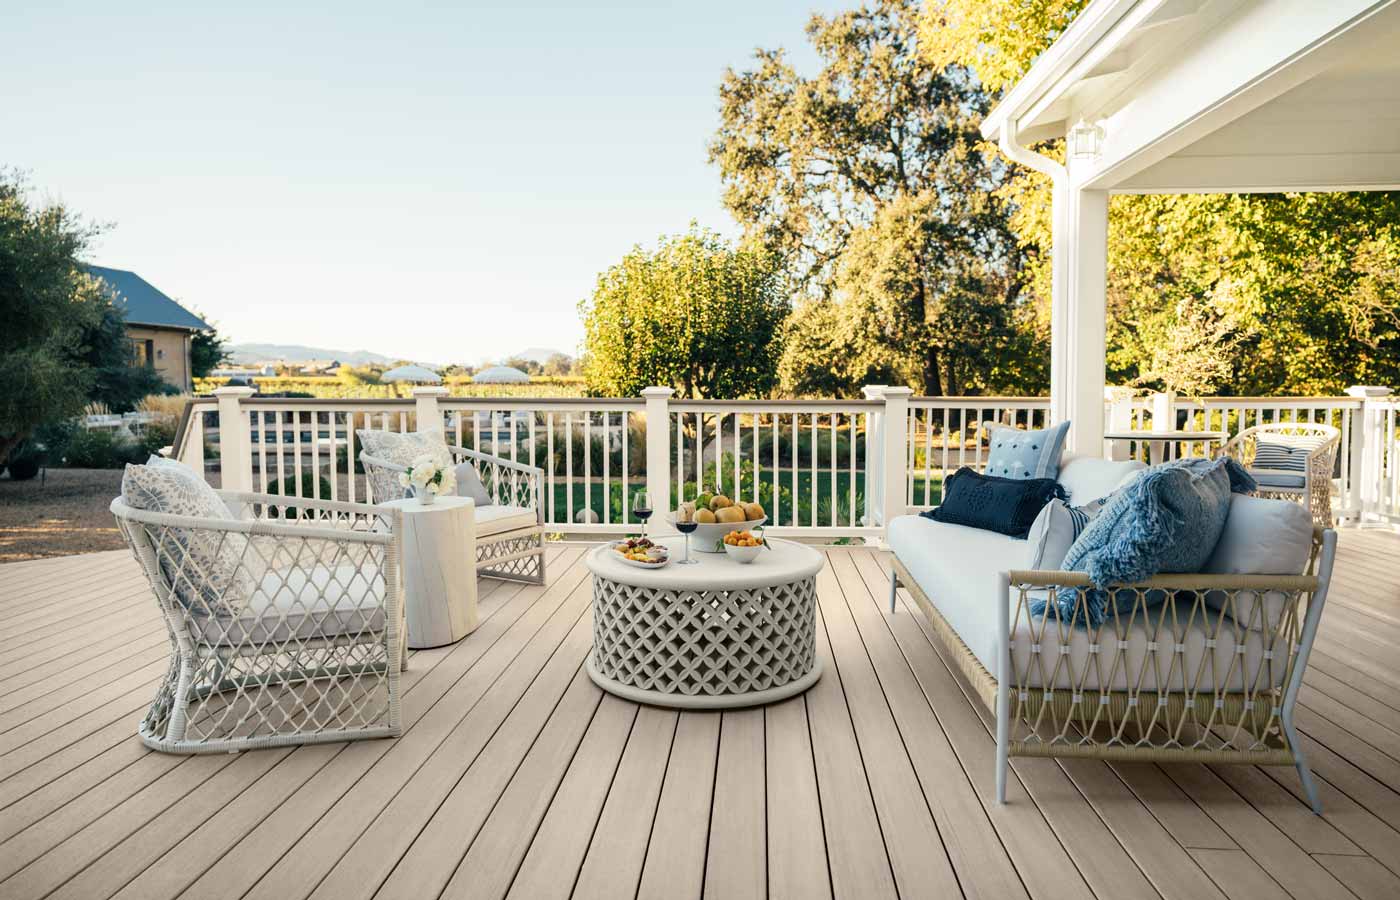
[288,605]
[1277,481]
[1087,478]
[958,569]
[496,518]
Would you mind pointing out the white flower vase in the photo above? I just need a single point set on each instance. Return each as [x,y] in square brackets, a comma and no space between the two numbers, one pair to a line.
[427,494]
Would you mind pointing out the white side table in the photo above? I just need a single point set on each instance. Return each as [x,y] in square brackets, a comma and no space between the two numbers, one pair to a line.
[1159,443]
[439,570]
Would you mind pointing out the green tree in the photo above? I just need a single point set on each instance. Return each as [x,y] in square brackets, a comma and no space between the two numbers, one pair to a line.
[867,180]
[208,350]
[558,365]
[695,313]
[1251,294]
[47,303]
[104,350]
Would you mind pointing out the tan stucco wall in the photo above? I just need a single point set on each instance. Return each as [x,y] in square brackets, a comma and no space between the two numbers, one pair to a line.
[172,352]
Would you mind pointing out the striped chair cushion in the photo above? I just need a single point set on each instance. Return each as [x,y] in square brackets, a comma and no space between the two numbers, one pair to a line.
[1281,460]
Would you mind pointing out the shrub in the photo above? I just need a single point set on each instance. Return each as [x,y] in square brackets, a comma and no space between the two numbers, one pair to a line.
[25,461]
[53,438]
[158,434]
[313,487]
[102,449]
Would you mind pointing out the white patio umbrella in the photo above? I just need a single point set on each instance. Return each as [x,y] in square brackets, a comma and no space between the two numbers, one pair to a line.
[501,375]
[416,374]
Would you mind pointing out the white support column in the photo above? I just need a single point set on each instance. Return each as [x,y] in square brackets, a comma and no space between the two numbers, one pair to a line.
[894,468]
[1078,312]
[235,449]
[1367,452]
[659,454]
[425,400]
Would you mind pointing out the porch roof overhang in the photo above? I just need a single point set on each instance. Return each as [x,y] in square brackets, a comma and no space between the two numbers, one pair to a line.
[1207,96]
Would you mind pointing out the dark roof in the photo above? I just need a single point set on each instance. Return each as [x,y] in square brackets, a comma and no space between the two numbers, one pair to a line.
[143,304]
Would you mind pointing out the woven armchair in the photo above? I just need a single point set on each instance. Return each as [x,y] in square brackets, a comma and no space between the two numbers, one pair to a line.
[509,531]
[296,637]
[1310,483]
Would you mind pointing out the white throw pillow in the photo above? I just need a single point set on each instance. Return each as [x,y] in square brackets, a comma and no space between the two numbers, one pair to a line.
[1056,528]
[1261,537]
[469,485]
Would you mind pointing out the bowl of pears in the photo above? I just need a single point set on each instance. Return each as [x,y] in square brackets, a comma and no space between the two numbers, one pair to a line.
[717,515]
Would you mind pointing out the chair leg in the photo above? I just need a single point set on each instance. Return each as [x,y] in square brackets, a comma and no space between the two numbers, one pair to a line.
[894,589]
[1003,737]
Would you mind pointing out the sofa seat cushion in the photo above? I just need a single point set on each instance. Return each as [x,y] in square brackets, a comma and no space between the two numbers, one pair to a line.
[294,604]
[497,518]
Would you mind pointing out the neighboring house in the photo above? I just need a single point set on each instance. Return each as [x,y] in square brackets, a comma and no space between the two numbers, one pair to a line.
[160,329]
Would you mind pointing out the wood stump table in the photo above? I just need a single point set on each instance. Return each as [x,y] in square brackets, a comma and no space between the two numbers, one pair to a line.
[716,635]
[439,570]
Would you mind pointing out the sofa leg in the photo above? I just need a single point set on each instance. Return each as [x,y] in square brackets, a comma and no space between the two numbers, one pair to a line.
[894,589]
[1003,739]
[1300,762]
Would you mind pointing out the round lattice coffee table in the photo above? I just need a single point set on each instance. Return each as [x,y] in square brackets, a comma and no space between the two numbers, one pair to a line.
[715,635]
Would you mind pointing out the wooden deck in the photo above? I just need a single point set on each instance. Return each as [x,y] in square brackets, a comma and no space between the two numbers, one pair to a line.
[517,777]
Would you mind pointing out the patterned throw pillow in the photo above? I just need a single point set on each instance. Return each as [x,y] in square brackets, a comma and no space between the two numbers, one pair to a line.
[208,569]
[401,449]
[1026,454]
[1285,457]
[1056,529]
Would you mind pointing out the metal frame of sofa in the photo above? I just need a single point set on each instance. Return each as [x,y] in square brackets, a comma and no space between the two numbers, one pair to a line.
[1198,723]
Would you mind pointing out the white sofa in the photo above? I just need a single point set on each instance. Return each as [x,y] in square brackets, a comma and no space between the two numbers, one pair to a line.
[1210,675]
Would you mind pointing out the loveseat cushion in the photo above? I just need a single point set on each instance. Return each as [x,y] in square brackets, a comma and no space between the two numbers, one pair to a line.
[496,518]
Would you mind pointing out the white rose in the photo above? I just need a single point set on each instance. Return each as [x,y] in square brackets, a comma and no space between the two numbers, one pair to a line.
[403,479]
[449,481]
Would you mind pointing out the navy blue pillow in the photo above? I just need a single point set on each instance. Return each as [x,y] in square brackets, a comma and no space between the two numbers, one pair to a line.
[1004,505]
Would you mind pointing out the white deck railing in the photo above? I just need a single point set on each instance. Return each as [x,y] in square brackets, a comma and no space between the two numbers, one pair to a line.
[817,466]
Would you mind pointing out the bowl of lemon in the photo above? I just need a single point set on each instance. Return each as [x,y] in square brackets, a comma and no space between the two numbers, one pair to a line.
[717,515]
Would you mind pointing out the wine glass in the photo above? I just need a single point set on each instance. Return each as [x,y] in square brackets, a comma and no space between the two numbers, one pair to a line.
[685,524]
[642,508]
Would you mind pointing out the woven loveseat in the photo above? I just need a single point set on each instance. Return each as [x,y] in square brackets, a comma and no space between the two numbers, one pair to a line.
[1210,675]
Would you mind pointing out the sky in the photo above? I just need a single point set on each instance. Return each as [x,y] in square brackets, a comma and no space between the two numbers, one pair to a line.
[439,182]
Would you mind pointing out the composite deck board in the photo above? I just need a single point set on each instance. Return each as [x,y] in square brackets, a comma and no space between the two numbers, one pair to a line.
[517,777]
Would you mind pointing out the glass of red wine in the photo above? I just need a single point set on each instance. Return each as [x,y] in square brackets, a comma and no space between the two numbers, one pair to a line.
[642,508]
[685,524]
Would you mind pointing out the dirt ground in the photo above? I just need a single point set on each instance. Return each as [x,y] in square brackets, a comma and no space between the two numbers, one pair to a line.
[64,514]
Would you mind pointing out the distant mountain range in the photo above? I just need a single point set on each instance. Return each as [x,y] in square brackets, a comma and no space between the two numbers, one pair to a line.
[244,354]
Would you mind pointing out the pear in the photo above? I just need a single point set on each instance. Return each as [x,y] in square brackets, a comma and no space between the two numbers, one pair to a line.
[719,501]
[729,515]
[753,511]
[705,517]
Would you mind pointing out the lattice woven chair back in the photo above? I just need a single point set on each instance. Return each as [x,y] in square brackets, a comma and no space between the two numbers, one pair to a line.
[510,510]
[1291,461]
[294,636]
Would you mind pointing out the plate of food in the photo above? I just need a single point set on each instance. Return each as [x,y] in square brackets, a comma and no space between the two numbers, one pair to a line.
[642,553]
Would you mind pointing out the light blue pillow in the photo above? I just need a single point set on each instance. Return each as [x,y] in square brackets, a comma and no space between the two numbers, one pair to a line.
[1167,520]
[1016,453]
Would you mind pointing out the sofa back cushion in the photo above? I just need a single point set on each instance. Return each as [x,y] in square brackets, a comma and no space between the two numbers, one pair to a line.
[1087,478]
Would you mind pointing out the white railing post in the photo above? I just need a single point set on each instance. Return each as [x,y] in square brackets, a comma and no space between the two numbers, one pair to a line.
[894,468]
[235,450]
[1367,452]
[425,399]
[659,454]
[1120,419]
[874,457]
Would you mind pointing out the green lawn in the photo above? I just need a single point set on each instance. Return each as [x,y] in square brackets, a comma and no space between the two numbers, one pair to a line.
[594,496]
